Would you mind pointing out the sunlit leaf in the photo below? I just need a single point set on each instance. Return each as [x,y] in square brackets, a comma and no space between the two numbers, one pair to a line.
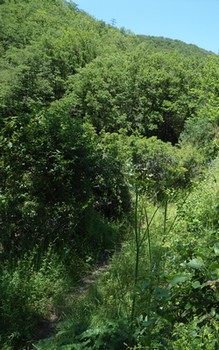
[216,249]
[196,263]
[196,285]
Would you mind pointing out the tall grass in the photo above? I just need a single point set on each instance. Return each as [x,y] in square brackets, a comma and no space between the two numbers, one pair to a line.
[123,305]
[160,291]
[30,291]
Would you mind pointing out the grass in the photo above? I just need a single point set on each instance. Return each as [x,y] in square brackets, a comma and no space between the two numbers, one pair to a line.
[31,291]
[159,291]
[167,299]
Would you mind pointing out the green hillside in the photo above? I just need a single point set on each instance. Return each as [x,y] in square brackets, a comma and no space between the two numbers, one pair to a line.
[108,155]
[162,44]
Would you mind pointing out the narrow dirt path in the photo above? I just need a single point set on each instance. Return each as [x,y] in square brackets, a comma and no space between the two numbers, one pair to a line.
[88,280]
[47,327]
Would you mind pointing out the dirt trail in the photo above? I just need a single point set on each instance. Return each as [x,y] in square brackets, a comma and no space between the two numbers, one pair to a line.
[91,278]
[47,327]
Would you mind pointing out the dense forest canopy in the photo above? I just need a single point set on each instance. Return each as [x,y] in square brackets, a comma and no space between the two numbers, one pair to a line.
[93,117]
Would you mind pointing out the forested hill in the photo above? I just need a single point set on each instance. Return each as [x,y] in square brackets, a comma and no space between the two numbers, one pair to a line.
[162,44]
[45,45]
[93,118]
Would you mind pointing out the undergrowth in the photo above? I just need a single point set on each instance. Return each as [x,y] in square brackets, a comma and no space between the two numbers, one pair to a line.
[170,300]
[31,289]
[159,291]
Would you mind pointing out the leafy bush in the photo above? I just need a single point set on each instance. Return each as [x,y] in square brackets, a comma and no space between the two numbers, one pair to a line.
[196,335]
[201,133]
[160,166]
[63,172]
[200,211]
[110,335]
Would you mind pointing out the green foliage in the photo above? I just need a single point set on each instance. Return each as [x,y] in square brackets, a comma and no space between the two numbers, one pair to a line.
[158,164]
[91,115]
[176,289]
[145,93]
[30,290]
[62,165]
[200,211]
[194,335]
[165,44]
[109,336]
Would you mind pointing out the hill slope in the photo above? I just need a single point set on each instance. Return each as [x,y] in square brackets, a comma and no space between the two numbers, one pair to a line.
[91,117]
[161,43]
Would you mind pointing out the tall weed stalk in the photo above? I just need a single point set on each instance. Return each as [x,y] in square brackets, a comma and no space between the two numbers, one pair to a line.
[137,258]
[145,235]
[142,225]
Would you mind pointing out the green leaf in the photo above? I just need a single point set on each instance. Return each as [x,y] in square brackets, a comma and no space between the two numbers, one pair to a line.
[216,249]
[179,279]
[149,322]
[213,267]
[196,263]
[162,293]
[196,285]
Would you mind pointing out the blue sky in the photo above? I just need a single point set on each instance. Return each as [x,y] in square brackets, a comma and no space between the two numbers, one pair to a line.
[192,21]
